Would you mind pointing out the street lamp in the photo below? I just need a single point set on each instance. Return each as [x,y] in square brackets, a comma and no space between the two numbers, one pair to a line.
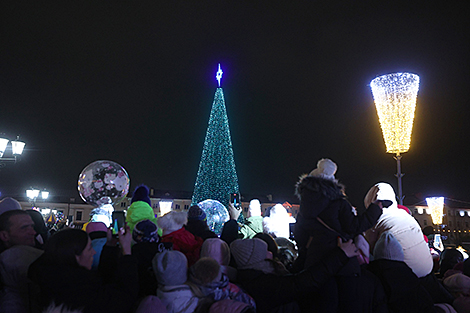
[33,194]
[16,150]
[44,194]
[395,99]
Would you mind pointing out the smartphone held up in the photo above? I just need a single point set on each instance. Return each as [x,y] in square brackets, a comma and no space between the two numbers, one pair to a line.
[235,200]
[119,219]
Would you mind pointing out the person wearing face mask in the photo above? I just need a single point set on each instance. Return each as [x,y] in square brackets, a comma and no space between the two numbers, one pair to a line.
[63,273]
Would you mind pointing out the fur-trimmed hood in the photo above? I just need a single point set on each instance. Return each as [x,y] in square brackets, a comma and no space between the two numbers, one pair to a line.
[172,221]
[330,189]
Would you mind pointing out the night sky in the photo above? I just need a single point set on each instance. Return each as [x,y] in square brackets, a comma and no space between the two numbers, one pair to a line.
[134,81]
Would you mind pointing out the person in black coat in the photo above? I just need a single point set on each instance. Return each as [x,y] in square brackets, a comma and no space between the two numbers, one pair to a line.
[269,283]
[63,274]
[147,244]
[197,223]
[325,214]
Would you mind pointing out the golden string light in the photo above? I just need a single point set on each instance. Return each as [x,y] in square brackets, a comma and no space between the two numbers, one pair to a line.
[395,99]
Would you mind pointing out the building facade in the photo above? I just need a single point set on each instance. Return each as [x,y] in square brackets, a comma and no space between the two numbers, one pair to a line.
[455,227]
[79,213]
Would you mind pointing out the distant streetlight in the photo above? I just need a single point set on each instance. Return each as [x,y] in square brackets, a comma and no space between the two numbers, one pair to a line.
[436,205]
[16,150]
[395,99]
[33,194]
[44,194]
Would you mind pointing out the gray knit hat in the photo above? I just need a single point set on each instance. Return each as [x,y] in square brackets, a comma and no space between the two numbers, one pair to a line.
[170,267]
[248,252]
[388,248]
[325,169]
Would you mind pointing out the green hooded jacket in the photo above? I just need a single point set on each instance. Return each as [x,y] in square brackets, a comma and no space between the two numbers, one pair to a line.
[139,211]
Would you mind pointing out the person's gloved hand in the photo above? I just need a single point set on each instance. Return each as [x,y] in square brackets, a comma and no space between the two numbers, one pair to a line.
[125,239]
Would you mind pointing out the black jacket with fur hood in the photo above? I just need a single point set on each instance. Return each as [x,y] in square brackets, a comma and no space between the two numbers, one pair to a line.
[325,198]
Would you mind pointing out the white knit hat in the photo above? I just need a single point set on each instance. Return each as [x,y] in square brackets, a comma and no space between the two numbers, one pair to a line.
[325,169]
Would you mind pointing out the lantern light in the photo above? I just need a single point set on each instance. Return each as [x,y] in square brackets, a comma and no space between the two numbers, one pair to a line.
[17,147]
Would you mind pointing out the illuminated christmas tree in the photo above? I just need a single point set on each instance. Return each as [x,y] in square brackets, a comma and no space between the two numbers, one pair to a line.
[217,177]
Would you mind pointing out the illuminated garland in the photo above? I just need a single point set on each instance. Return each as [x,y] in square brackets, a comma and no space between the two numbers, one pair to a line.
[436,204]
[395,99]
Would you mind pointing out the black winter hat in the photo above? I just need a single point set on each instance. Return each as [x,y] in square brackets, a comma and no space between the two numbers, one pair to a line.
[141,193]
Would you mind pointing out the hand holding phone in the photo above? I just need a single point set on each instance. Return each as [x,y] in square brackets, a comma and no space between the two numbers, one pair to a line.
[235,200]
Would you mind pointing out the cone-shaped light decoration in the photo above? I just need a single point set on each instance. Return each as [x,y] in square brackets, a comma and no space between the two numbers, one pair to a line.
[395,99]
[436,204]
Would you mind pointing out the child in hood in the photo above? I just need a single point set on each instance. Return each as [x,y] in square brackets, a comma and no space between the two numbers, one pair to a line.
[171,269]
[141,207]
[172,225]
[213,285]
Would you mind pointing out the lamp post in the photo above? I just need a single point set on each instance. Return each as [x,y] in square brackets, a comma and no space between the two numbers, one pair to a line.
[33,194]
[395,99]
[16,150]
[436,204]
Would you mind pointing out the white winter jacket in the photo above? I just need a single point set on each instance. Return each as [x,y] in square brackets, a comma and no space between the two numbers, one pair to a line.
[403,226]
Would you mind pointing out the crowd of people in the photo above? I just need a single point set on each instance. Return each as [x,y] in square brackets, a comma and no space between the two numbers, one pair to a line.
[328,259]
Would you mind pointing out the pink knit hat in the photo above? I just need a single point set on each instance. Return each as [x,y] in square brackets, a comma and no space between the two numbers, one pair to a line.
[217,249]
[96,226]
